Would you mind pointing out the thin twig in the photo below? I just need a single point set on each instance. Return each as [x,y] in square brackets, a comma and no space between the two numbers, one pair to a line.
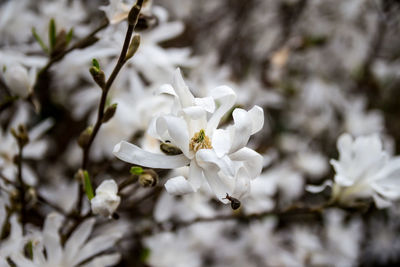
[100,113]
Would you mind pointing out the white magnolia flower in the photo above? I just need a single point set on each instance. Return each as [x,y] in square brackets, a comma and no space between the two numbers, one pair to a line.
[364,170]
[218,156]
[106,200]
[47,250]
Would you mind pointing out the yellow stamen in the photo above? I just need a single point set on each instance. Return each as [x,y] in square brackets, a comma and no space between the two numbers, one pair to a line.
[200,141]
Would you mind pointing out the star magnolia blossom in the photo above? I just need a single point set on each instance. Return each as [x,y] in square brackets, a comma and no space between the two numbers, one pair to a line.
[218,156]
[364,170]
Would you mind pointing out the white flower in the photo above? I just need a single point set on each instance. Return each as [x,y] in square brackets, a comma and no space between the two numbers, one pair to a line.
[106,200]
[218,156]
[364,170]
[48,252]
[19,80]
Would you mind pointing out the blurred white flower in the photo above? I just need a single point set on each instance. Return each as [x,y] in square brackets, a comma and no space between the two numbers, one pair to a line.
[19,80]
[223,160]
[106,200]
[363,170]
[48,252]
[14,243]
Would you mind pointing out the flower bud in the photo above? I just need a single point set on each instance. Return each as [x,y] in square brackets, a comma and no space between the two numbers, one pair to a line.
[148,178]
[106,200]
[21,135]
[133,47]
[17,79]
[98,76]
[84,138]
[134,13]
[109,113]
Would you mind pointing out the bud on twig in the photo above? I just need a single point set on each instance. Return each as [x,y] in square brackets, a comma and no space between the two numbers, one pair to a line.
[134,13]
[21,135]
[84,138]
[97,74]
[133,47]
[60,44]
[148,178]
[109,113]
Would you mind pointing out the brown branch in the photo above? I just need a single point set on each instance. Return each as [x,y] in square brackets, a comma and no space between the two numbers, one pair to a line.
[132,21]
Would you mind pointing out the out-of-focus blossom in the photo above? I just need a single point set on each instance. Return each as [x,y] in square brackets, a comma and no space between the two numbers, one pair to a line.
[364,170]
[106,200]
[223,160]
[48,251]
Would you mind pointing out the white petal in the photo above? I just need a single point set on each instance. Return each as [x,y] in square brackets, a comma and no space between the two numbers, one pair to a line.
[40,129]
[221,142]
[97,245]
[242,185]
[226,97]
[135,155]
[178,186]
[166,89]
[207,157]
[195,175]
[252,161]
[51,238]
[104,260]
[77,239]
[218,173]
[318,188]
[207,103]
[185,96]
[107,186]
[257,119]
[177,131]
[195,112]
[241,130]
[380,202]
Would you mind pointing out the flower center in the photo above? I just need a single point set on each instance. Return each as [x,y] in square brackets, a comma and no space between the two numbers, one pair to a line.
[200,141]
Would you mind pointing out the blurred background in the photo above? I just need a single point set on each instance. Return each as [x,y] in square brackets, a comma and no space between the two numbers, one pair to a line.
[318,68]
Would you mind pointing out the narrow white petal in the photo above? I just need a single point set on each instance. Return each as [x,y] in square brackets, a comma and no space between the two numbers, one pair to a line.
[318,188]
[226,98]
[178,132]
[51,238]
[178,186]
[135,155]
[185,96]
[97,245]
[104,260]
[257,119]
[195,175]
[77,239]
[241,130]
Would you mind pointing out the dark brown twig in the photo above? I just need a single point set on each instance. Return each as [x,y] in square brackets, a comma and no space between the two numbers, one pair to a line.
[132,21]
